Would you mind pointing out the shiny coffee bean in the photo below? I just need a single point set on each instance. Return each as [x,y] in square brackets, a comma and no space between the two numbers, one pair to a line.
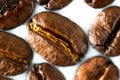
[97,68]
[104,33]
[57,39]
[15,54]
[14,12]
[44,71]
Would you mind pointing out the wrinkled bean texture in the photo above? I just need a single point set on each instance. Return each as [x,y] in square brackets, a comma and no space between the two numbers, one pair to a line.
[57,39]
[97,68]
[14,12]
[44,71]
[104,33]
[15,54]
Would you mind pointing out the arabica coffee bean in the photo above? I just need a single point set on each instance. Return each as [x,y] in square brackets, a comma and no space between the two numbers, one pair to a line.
[54,4]
[14,12]
[56,38]
[44,71]
[97,68]
[4,78]
[98,3]
[15,54]
[104,33]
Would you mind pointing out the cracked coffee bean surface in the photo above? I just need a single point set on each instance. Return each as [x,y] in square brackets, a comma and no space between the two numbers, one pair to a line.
[97,68]
[60,44]
[14,12]
[15,54]
[44,71]
[98,3]
[54,4]
[104,33]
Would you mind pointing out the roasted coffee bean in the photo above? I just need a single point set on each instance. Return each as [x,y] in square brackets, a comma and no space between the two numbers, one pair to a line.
[15,54]
[104,33]
[44,71]
[98,3]
[54,4]
[14,12]
[57,39]
[4,78]
[97,68]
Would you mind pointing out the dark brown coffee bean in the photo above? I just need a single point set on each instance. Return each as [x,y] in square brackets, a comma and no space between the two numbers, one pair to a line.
[44,71]
[14,12]
[105,31]
[98,3]
[54,4]
[57,39]
[97,68]
[15,54]
[4,78]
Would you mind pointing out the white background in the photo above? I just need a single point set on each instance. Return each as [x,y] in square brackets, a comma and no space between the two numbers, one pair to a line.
[82,14]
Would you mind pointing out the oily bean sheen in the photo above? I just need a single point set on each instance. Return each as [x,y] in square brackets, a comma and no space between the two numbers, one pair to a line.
[56,38]
[97,68]
[15,54]
[4,78]
[98,3]
[54,4]
[44,71]
[104,33]
[14,12]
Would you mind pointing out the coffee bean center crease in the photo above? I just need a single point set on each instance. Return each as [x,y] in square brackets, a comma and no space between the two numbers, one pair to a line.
[39,73]
[14,58]
[102,68]
[54,39]
[111,37]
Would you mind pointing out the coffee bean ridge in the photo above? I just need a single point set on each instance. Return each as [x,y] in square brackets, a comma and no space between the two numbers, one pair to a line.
[111,37]
[14,58]
[54,39]
[102,68]
[39,73]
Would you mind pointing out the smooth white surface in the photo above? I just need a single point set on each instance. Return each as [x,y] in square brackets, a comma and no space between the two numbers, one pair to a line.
[82,14]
